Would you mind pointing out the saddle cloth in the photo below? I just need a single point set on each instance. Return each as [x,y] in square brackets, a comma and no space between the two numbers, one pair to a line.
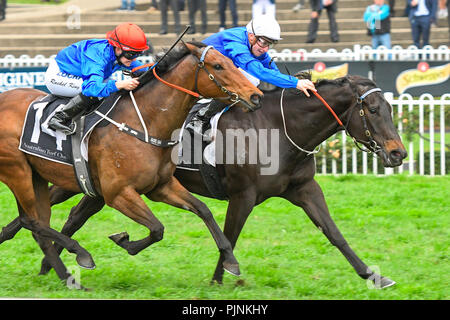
[39,140]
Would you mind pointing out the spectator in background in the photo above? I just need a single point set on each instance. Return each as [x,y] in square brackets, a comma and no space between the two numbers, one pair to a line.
[2,10]
[127,5]
[421,15]
[448,18]
[443,11]
[233,9]
[163,6]
[316,7]
[392,8]
[261,7]
[299,5]
[378,22]
[193,6]
[153,7]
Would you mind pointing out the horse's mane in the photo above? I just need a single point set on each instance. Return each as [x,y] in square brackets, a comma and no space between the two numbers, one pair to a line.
[352,79]
[170,60]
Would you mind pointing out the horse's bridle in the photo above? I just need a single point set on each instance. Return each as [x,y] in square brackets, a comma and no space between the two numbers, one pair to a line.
[373,146]
[234,97]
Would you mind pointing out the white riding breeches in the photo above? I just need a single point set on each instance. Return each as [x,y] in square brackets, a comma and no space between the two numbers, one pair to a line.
[61,83]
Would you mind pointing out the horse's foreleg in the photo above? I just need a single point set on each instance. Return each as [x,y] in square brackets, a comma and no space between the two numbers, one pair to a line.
[131,204]
[310,197]
[175,194]
[78,216]
[10,230]
[239,208]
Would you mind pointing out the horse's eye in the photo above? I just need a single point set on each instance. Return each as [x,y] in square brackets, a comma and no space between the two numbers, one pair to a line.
[373,110]
[218,67]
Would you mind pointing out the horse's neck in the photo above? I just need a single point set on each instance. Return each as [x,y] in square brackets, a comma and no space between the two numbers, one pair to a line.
[309,125]
[164,109]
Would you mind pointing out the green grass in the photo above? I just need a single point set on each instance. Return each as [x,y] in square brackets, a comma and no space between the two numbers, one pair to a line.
[399,224]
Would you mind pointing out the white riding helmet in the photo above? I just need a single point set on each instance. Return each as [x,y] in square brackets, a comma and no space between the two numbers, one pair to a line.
[265,26]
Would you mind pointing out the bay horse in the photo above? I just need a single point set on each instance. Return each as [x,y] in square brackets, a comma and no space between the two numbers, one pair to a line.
[122,166]
[306,123]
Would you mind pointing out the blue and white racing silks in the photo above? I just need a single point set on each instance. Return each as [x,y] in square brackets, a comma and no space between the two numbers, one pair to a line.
[233,43]
[94,61]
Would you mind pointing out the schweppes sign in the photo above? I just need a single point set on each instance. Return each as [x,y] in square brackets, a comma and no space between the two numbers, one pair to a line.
[423,75]
[321,71]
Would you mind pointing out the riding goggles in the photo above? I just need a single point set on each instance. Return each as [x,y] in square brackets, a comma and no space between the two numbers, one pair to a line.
[264,43]
[130,55]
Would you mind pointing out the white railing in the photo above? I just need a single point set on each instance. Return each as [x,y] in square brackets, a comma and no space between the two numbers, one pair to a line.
[428,107]
[10,61]
[364,53]
[357,53]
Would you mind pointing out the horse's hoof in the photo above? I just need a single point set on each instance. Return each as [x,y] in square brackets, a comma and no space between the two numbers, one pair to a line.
[386,282]
[85,261]
[72,284]
[232,268]
[215,281]
[119,238]
[45,269]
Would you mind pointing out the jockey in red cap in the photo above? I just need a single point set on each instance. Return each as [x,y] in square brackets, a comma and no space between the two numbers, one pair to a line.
[82,71]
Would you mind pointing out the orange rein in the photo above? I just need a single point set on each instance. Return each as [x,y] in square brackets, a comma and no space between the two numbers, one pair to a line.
[197,95]
[328,106]
[192,93]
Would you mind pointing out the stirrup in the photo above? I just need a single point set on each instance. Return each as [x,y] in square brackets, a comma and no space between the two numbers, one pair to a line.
[67,130]
[70,129]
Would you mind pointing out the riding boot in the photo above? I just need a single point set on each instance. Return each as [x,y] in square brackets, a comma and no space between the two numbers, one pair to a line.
[204,115]
[62,119]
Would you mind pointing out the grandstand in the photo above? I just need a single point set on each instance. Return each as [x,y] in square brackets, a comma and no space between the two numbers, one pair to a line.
[45,29]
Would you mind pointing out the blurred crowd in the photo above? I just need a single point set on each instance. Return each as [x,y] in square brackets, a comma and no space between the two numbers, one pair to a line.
[422,14]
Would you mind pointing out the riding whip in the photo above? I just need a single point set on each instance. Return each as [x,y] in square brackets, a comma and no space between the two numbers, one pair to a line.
[165,54]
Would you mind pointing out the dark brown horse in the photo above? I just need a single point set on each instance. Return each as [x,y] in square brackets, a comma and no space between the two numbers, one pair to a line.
[356,101]
[122,166]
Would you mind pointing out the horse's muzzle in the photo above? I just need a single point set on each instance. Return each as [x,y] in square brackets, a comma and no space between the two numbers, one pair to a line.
[396,156]
[255,99]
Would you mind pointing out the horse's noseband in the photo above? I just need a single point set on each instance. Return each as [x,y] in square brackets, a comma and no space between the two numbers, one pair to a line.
[233,96]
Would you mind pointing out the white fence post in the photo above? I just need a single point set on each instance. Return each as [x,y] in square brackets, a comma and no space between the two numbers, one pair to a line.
[442,131]
[431,126]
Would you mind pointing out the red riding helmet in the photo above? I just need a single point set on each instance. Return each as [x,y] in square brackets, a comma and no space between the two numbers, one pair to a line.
[128,37]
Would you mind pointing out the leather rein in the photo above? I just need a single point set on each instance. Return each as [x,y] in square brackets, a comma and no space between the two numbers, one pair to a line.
[373,146]
[232,96]
[143,136]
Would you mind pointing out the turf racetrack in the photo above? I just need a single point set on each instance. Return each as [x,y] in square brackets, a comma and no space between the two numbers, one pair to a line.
[398,225]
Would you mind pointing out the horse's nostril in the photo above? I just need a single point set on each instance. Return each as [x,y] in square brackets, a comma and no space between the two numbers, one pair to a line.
[398,154]
[256,99]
